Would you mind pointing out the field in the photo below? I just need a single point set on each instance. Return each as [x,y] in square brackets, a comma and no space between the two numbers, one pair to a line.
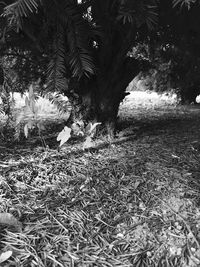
[133,201]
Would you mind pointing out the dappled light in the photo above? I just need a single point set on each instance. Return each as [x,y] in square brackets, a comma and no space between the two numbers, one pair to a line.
[99,133]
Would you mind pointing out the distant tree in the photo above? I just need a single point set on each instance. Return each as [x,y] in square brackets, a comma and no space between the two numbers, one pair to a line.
[158,77]
[178,32]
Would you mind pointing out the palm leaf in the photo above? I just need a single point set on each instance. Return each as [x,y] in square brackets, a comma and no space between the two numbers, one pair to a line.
[22,8]
[57,66]
[62,104]
[138,13]
[16,11]
[71,45]
[187,3]
[151,16]
[78,33]
[80,59]
[81,63]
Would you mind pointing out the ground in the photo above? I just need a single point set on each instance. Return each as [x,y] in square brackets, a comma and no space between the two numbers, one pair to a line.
[130,202]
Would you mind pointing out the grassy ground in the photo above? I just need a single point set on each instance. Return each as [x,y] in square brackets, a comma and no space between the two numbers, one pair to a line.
[131,203]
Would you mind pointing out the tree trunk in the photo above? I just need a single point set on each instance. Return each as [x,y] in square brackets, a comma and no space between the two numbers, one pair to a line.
[98,105]
[100,97]
[111,87]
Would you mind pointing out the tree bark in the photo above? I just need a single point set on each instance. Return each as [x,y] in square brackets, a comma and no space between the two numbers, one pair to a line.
[100,97]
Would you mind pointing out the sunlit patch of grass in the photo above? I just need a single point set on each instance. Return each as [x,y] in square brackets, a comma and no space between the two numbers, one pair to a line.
[143,101]
[150,106]
[151,99]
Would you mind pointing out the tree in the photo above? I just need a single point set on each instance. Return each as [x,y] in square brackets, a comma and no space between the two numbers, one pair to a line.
[179,35]
[86,43]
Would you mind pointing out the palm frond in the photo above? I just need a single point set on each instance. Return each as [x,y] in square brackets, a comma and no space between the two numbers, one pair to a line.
[20,9]
[150,16]
[58,14]
[138,13]
[61,102]
[78,33]
[80,59]
[81,63]
[57,67]
[182,3]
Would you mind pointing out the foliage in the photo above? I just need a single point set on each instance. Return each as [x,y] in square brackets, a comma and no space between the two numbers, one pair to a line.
[5,92]
[157,77]
[78,129]
[80,42]
[173,50]
[65,15]
[89,41]
[26,67]
[187,3]
[61,102]
[28,116]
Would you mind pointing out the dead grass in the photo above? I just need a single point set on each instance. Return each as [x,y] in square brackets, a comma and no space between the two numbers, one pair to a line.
[135,203]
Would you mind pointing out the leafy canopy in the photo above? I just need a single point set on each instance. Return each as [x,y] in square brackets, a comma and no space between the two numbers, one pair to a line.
[71,33]
[62,39]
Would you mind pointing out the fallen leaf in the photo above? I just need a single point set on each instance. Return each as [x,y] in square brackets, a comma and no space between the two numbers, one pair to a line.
[88,142]
[137,183]
[64,135]
[5,256]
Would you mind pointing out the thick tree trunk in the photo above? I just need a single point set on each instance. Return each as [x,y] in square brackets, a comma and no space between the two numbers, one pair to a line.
[107,106]
[100,97]
[111,87]
[99,104]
